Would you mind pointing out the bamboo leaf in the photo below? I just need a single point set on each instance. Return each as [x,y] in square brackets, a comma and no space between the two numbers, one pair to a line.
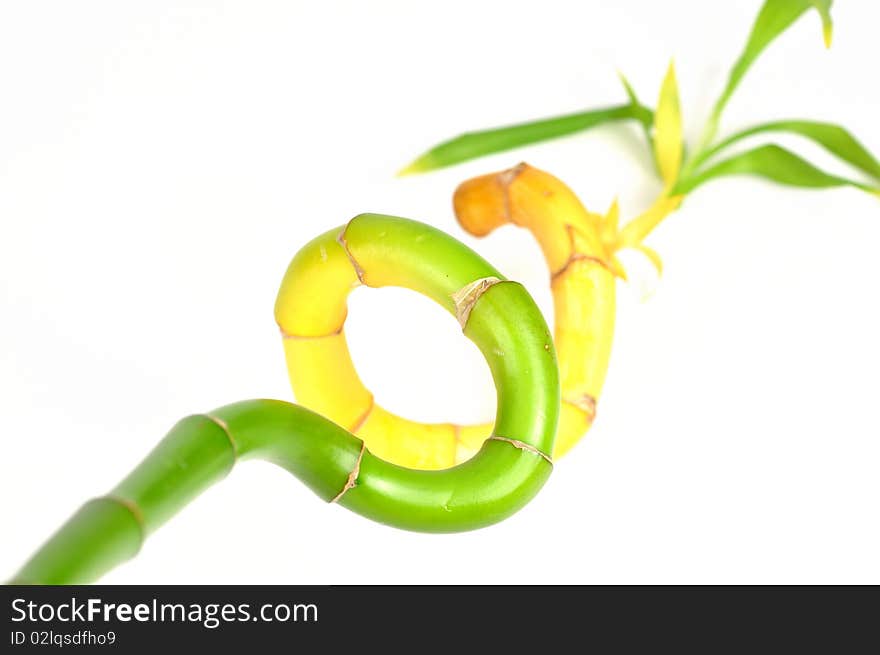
[652,255]
[773,19]
[630,92]
[772,163]
[668,145]
[611,222]
[835,139]
[634,102]
[634,232]
[478,144]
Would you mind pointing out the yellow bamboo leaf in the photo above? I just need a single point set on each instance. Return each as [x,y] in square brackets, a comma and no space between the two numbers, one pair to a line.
[611,223]
[668,144]
[652,256]
[617,268]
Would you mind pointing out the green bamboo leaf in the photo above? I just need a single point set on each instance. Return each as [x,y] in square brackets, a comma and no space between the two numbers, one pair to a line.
[630,92]
[774,18]
[634,102]
[834,138]
[478,144]
[773,163]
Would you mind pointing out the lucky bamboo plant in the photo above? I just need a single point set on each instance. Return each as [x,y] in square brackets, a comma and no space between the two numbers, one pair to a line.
[579,246]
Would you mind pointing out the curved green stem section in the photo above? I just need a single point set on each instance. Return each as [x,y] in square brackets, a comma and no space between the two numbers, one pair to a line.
[509,470]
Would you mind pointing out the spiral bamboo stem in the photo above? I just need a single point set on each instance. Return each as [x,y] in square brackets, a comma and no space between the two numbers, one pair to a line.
[509,469]
[580,251]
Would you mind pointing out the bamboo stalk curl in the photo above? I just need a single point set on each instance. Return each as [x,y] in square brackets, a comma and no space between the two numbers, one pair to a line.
[510,468]
[580,250]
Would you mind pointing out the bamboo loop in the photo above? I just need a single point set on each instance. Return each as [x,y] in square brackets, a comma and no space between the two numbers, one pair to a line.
[579,248]
[339,467]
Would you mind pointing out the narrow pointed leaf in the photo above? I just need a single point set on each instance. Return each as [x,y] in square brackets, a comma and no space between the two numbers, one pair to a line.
[668,145]
[634,232]
[774,18]
[610,223]
[630,92]
[478,144]
[772,163]
[835,139]
[634,102]
[652,255]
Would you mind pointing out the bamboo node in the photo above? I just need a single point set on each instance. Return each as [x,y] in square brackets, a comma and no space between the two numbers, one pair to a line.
[584,402]
[225,427]
[290,335]
[359,422]
[342,242]
[505,179]
[132,508]
[522,445]
[353,476]
[576,256]
[466,297]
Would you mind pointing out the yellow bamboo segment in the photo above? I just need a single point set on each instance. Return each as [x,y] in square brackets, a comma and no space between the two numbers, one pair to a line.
[469,439]
[582,275]
[306,308]
[584,305]
[399,440]
[573,424]
[324,379]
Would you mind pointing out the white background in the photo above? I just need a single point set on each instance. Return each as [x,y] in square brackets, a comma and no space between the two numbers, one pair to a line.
[161,162]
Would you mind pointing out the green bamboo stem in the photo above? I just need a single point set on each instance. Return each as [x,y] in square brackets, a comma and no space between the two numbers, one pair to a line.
[200,450]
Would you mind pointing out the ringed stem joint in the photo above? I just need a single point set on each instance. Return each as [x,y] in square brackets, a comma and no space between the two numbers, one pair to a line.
[466,298]
[342,242]
[522,445]
[577,257]
[505,179]
[353,476]
[132,509]
[289,335]
[359,422]
[223,426]
[584,402]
